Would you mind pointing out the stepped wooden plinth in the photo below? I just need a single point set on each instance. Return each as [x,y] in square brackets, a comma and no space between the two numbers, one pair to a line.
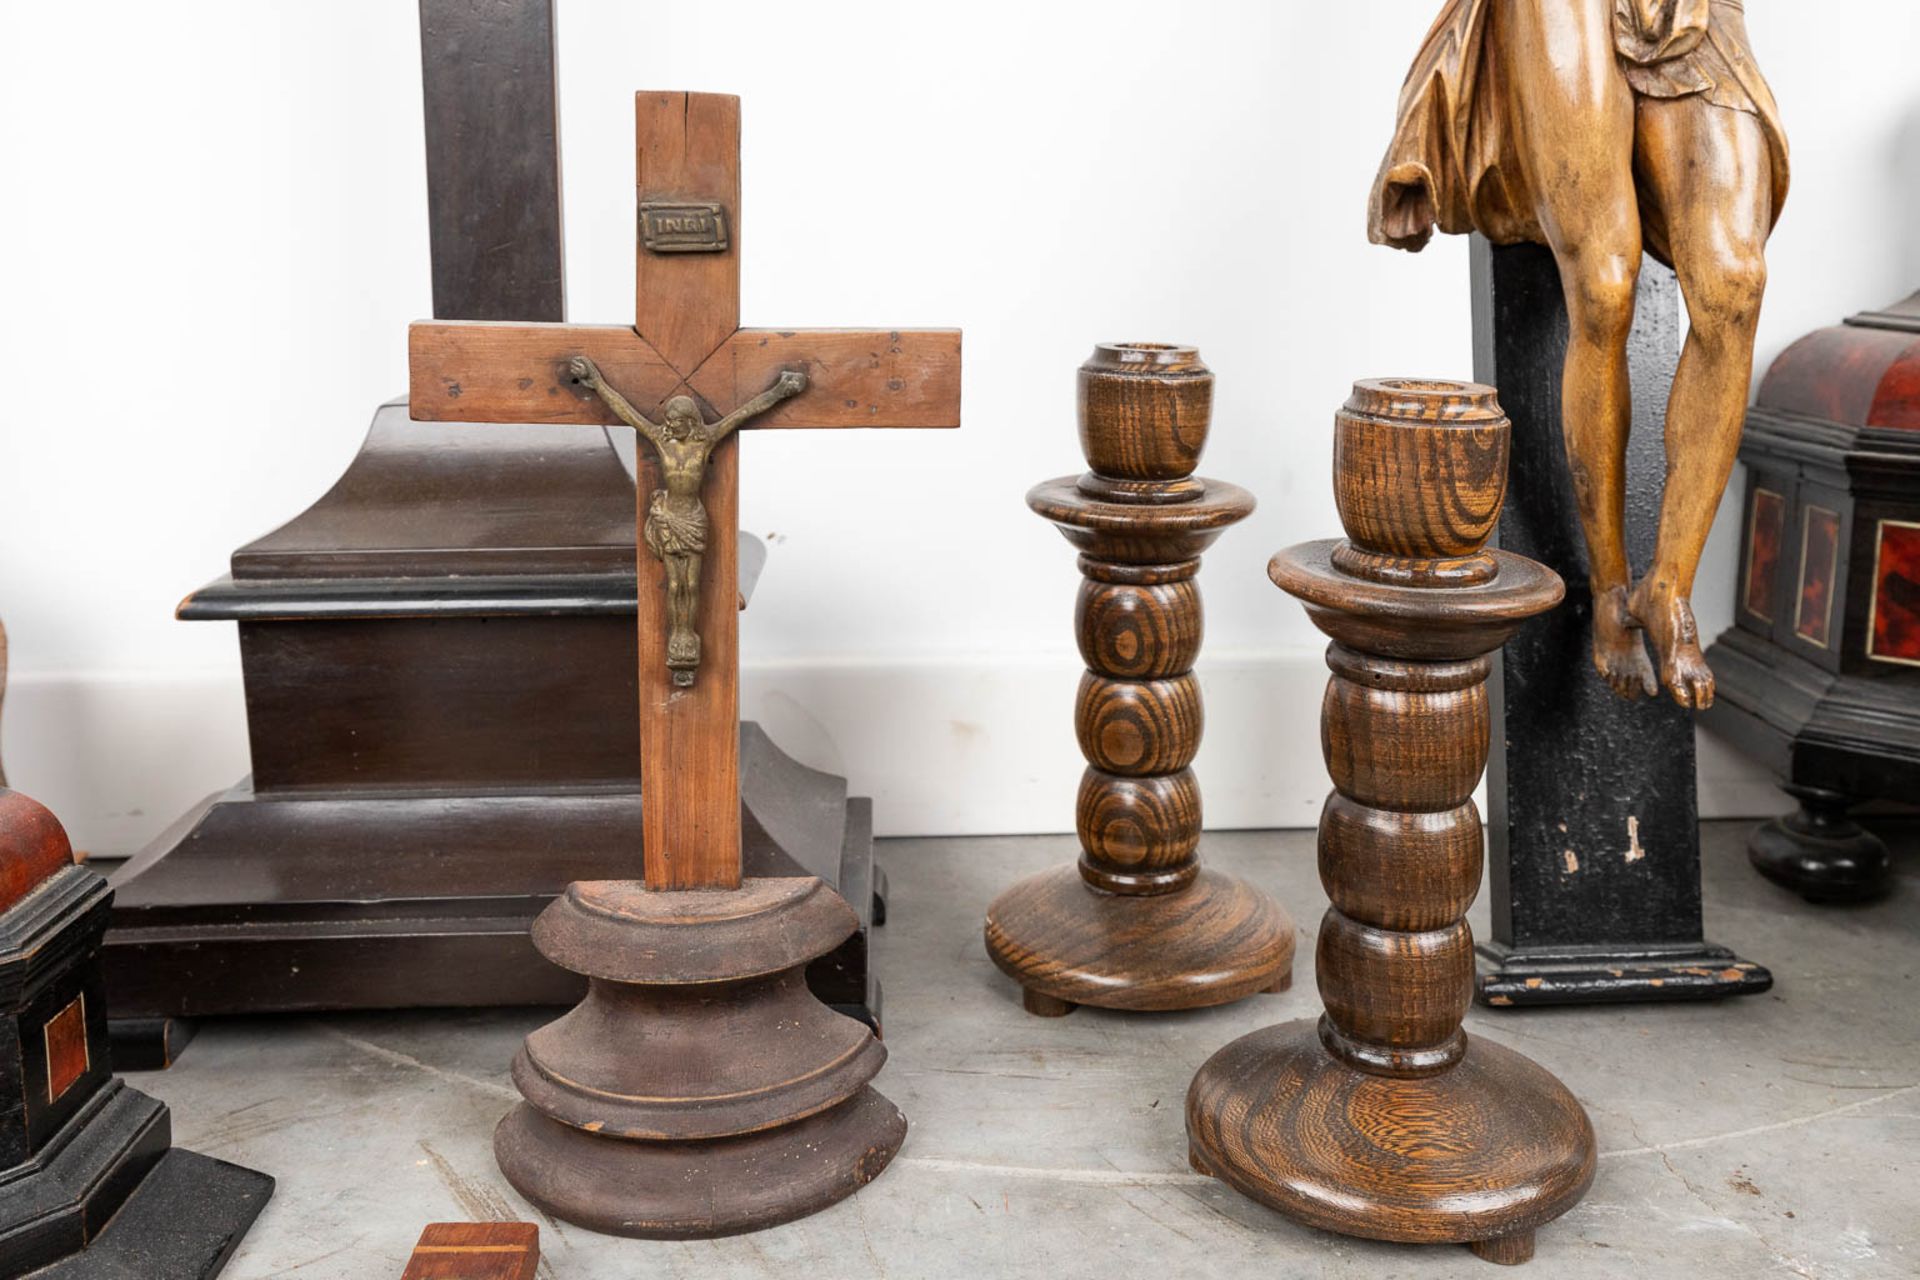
[699,1089]
[1381,1118]
[1139,923]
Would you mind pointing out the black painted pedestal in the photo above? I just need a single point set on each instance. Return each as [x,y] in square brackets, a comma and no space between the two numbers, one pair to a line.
[1593,826]
[89,1184]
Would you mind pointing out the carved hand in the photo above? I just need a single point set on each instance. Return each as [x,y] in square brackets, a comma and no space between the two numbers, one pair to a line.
[792,382]
[584,372]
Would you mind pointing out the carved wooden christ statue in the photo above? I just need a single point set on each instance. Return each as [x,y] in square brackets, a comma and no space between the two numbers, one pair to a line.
[675,529]
[1599,128]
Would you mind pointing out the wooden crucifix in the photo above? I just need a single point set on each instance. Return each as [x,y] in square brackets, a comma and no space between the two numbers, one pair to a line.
[687,354]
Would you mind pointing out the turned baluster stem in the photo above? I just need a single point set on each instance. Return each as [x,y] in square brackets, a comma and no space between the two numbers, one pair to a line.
[1138,922]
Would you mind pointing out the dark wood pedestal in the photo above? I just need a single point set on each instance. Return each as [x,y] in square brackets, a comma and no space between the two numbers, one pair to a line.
[90,1187]
[1820,674]
[439,670]
[1593,822]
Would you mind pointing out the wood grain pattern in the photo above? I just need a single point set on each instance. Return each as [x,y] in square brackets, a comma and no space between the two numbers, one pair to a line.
[1382,1119]
[465,371]
[1145,409]
[475,1251]
[476,371]
[687,147]
[1141,925]
[1138,834]
[879,378]
[1139,632]
[1419,467]
[1138,728]
[689,747]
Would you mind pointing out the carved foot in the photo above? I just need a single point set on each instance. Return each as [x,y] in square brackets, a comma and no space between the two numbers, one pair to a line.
[1619,655]
[683,656]
[1506,1250]
[1667,617]
[1042,1005]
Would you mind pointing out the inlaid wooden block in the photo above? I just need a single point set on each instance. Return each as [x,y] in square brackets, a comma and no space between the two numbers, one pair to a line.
[1138,924]
[67,1057]
[475,1251]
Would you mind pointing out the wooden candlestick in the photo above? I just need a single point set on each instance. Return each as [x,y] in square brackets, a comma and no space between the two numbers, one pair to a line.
[1139,923]
[1382,1119]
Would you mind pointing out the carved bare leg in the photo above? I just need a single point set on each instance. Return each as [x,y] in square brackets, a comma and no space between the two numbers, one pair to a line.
[1708,169]
[1578,124]
[683,596]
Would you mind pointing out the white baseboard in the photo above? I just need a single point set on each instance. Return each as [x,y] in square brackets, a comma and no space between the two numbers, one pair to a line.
[944,746]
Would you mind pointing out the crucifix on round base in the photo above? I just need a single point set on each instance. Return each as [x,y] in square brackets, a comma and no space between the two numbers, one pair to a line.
[700,1089]
[1381,1118]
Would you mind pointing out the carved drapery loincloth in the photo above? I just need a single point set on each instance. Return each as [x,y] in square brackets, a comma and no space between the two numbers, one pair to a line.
[675,529]
[1454,161]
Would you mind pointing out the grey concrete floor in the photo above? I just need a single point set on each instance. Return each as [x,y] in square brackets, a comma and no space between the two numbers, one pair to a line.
[1777,1134]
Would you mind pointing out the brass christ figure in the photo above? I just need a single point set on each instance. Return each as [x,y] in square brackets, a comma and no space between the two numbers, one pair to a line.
[676,524]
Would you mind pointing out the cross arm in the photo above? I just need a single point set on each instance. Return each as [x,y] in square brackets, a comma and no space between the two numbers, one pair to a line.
[855,377]
[478,371]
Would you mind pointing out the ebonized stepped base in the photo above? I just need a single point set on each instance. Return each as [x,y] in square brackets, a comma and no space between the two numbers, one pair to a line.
[262,904]
[183,1223]
[167,1213]
[1515,977]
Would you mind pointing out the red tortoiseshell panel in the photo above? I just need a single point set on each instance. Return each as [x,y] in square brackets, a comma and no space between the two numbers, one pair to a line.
[1764,530]
[1896,403]
[1833,374]
[1893,625]
[1819,561]
[66,1048]
[32,847]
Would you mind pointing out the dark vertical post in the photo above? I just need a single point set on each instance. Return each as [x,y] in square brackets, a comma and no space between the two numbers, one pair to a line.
[493,159]
[1593,824]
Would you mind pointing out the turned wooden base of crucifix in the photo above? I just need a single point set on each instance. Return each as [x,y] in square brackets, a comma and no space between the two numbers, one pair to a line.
[700,1089]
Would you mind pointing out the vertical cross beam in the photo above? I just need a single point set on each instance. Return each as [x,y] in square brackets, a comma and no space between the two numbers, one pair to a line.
[686,304]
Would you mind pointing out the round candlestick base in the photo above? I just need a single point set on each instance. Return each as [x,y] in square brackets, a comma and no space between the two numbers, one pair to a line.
[1481,1154]
[1215,941]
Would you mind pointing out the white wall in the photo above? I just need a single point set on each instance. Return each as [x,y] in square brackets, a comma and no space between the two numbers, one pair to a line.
[214,234]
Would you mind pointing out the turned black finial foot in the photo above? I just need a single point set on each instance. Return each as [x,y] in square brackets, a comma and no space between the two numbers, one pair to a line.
[1819,852]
